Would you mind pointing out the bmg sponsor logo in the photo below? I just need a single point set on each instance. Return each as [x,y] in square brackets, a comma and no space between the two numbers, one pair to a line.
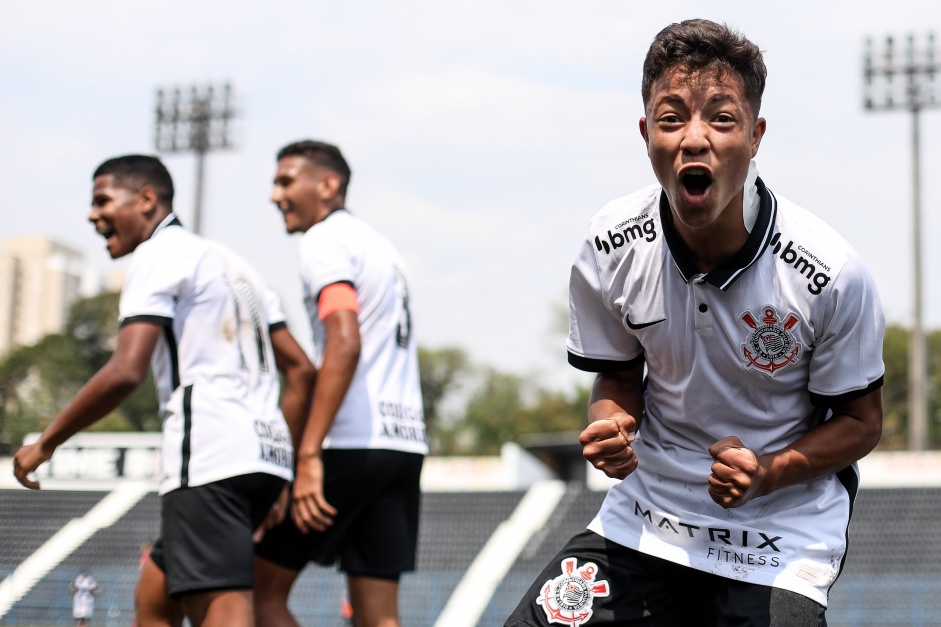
[804,262]
[626,233]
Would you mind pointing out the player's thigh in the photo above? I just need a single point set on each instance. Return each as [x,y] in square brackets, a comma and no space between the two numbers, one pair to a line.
[383,540]
[740,604]
[207,532]
[219,608]
[592,577]
[153,607]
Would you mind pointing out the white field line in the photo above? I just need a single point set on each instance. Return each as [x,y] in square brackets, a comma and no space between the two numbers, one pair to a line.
[476,588]
[66,540]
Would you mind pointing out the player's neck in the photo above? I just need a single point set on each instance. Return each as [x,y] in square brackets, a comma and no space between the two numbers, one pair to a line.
[710,247]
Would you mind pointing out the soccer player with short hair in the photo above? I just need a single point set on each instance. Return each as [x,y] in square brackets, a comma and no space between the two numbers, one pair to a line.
[203,320]
[356,493]
[737,341]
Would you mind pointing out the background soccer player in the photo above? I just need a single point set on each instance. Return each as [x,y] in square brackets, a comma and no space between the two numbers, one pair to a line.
[199,315]
[356,495]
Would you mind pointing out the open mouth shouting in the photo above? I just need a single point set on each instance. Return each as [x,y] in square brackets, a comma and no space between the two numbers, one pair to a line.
[696,182]
[109,233]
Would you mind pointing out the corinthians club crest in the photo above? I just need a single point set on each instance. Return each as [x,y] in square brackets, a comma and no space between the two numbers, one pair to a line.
[771,345]
[568,598]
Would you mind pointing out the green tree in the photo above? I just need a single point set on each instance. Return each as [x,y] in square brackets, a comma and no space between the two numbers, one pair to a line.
[505,407]
[895,389]
[895,354]
[37,381]
[441,370]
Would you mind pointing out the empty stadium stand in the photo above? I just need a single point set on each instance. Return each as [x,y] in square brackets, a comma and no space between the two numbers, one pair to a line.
[892,576]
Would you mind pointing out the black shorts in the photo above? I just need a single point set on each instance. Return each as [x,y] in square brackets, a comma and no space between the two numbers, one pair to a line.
[375,533]
[206,533]
[612,585]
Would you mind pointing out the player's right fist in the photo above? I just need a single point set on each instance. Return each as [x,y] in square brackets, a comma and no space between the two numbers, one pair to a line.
[606,443]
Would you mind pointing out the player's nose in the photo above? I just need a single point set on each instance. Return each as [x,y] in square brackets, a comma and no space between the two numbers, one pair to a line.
[694,139]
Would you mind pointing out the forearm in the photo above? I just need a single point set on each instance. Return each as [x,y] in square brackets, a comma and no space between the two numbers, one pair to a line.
[298,382]
[617,393]
[823,451]
[108,387]
[97,398]
[296,402]
[333,382]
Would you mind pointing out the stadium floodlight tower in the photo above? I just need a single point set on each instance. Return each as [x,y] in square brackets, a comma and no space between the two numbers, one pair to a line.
[908,81]
[194,119]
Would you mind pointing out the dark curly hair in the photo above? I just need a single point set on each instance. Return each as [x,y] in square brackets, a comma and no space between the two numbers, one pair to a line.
[135,171]
[698,45]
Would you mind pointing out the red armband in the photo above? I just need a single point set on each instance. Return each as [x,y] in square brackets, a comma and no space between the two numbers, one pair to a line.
[337,297]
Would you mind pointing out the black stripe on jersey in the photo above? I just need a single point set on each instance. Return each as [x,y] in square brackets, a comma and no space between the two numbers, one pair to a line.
[850,481]
[724,275]
[820,400]
[187,432]
[350,283]
[167,324]
[161,321]
[603,365]
[277,326]
[174,359]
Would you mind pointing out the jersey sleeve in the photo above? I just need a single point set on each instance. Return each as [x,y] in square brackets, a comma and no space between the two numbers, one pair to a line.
[151,290]
[847,359]
[597,341]
[325,260]
[275,313]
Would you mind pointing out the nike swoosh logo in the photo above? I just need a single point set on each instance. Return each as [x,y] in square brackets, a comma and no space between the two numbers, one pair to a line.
[640,325]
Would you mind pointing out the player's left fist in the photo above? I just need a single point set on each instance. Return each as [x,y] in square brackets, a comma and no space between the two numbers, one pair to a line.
[736,474]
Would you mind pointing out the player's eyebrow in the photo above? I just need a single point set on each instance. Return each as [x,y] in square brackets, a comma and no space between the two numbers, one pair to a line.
[672,99]
[678,101]
[722,99]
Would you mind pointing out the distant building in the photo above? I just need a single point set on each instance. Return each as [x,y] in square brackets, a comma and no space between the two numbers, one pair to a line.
[39,281]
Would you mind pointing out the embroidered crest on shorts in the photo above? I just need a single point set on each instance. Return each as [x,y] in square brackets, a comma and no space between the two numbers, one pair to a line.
[771,345]
[568,598]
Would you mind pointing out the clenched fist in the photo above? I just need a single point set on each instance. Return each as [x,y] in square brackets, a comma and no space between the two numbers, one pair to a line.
[606,443]
[736,474]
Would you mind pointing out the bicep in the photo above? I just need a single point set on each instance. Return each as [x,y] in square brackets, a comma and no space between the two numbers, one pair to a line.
[342,329]
[135,346]
[866,410]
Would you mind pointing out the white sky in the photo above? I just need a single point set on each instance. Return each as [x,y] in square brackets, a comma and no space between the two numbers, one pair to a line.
[482,134]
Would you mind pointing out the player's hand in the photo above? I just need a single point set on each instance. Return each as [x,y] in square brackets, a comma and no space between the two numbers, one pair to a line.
[26,461]
[310,510]
[275,515]
[736,476]
[606,443]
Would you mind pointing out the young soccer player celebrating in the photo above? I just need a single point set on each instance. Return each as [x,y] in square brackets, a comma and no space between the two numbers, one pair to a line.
[737,343]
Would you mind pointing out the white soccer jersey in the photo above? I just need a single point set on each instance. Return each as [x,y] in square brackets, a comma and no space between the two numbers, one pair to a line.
[758,348]
[214,367]
[383,407]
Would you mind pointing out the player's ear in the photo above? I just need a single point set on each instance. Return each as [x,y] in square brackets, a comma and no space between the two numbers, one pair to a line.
[147,197]
[643,131]
[329,185]
[757,134]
